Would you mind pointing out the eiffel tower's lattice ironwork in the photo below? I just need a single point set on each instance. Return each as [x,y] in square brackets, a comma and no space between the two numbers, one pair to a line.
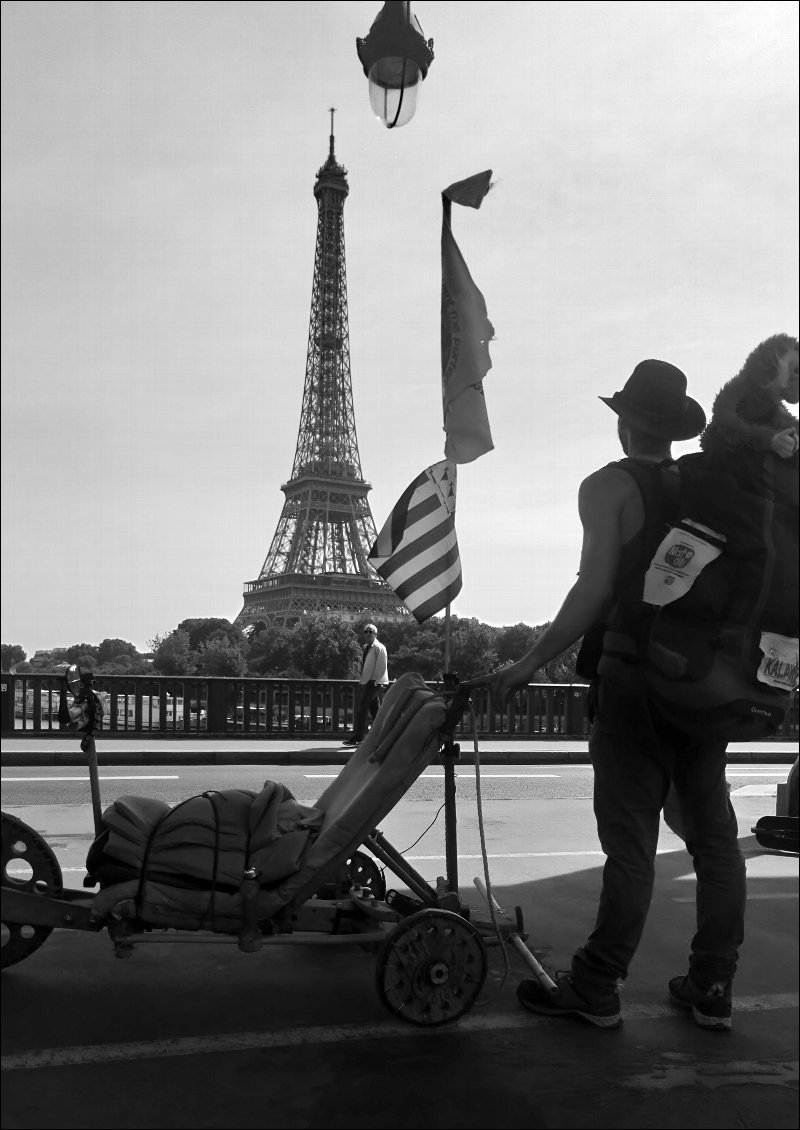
[317,561]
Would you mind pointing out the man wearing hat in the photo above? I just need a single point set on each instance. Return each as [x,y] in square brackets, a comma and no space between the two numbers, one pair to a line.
[372,682]
[635,755]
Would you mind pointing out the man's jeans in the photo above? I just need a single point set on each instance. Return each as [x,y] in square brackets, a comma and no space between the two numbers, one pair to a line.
[632,778]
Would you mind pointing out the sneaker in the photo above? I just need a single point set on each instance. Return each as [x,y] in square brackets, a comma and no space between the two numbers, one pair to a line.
[602,1011]
[710,1005]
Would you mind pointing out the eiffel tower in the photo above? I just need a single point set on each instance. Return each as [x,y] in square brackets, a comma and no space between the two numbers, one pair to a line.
[317,561]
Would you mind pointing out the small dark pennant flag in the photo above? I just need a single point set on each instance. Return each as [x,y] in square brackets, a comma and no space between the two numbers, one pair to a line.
[416,552]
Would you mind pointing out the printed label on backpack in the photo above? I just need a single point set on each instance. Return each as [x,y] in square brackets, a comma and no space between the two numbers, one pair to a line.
[679,561]
[779,667]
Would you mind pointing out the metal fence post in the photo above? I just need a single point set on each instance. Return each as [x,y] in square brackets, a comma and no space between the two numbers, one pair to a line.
[7,704]
[217,706]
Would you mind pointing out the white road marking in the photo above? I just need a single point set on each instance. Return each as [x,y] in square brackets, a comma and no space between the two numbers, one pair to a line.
[516,855]
[20,871]
[331,1034]
[750,898]
[510,776]
[459,774]
[169,777]
[532,854]
[777,773]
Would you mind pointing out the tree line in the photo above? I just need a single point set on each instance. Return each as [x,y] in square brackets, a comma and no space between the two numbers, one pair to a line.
[318,646]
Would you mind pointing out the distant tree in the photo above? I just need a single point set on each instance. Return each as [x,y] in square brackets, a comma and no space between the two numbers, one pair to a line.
[11,654]
[562,668]
[320,646]
[122,665]
[87,661]
[513,642]
[112,649]
[325,647]
[217,656]
[79,651]
[422,651]
[472,647]
[44,660]
[270,653]
[201,629]
[172,654]
[398,635]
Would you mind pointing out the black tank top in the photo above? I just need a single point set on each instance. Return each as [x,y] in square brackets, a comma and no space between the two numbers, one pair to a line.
[658,487]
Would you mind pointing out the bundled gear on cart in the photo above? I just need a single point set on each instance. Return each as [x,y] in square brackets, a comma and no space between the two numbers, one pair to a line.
[261,868]
[186,866]
[707,633]
[194,865]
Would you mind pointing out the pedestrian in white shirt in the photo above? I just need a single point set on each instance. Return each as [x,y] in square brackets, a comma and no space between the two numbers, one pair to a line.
[372,683]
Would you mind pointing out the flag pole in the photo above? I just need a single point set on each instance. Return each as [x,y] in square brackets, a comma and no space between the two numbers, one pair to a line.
[447,641]
[450,752]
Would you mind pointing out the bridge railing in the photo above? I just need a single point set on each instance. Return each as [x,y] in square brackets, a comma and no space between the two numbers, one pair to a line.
[199,706]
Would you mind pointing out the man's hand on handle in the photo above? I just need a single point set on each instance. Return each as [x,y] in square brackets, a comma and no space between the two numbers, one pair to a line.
[503,682]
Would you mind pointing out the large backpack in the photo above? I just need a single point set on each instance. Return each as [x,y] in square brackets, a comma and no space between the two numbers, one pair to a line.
[710,625]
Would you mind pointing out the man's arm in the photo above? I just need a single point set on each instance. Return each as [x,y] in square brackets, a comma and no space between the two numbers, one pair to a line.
[381,662]
[601,501]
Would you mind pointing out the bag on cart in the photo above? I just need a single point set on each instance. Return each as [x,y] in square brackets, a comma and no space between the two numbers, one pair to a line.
[192,859]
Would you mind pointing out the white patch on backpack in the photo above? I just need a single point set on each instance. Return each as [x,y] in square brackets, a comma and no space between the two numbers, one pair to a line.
[679,561]
[779,667]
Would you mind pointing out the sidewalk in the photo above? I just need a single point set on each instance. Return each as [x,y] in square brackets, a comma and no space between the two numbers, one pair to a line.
[324,751]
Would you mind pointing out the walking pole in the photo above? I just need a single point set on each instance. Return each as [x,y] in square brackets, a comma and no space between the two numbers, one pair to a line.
[90,749]
[81,686]
[535,966]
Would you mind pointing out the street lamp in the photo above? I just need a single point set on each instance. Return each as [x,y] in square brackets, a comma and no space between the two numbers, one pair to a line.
[395,58]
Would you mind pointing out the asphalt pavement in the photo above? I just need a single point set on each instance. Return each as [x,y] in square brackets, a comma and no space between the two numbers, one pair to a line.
[297,1037]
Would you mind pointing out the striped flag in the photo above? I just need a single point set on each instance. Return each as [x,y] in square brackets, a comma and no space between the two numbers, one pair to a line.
[416,552]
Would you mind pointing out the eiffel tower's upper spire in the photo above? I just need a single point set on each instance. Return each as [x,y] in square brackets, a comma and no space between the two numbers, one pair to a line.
[332,174]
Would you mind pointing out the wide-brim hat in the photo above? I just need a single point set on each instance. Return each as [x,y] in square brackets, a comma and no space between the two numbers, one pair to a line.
[654,400]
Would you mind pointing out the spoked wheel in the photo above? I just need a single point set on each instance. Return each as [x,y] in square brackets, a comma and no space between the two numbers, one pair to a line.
[431,968]
[358,870]
[28,865]
[363,871]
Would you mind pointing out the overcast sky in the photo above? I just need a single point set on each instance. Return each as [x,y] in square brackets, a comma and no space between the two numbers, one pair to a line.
[158,248]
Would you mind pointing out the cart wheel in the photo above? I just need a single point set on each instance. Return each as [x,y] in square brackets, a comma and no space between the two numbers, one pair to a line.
[431,968]
[362,871]
[28,865]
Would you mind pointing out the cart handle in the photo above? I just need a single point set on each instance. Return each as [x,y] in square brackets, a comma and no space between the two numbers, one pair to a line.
[457,708]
